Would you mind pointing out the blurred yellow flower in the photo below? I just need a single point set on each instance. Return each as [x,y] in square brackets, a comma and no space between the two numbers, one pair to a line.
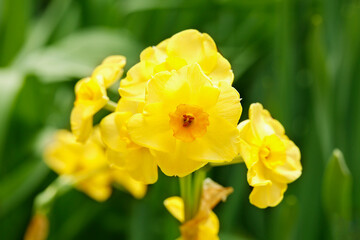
[184,48]
[205,225]
[187,121]
[87,164]
[124,154]
[91,95]
[272,159]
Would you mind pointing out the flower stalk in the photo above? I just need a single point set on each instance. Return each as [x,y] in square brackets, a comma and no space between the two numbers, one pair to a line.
[191,190]
[111,106]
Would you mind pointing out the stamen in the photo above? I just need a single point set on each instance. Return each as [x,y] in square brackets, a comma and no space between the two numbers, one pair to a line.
[187,120]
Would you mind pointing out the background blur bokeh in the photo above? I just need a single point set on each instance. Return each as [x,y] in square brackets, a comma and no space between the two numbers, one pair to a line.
[300,58]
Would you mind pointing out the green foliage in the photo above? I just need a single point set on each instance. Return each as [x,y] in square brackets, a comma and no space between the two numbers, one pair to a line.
[337,195]
[299,58]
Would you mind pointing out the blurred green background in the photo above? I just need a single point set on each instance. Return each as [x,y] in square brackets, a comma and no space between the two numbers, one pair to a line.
[300,58]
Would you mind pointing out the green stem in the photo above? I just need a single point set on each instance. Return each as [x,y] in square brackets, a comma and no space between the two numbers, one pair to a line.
[59,186]
[191,190]
[199,177]
[185,189]
[111,106]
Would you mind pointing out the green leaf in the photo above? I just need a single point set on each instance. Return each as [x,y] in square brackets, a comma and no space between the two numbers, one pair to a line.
[337,184]
[78,54]
[11,82]
[20,184]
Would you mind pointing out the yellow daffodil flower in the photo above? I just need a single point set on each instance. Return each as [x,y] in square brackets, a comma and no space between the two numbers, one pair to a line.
[122,152]
[272,159]
[187,120]
[205,225]
[110,70]
[91,95]
[184,48]
[87,164]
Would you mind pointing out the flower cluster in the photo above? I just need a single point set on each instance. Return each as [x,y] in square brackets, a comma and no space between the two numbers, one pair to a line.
[177,112]
[86,164]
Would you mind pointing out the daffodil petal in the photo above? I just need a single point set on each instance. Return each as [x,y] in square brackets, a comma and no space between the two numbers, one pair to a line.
[260,124]
[175,205]
[151,129]
[80,126]
[268,196]
[222,72]
[113,130]
[138,162]
[257,175]
[228,104]
[291,169]
[136,188]
[215,145]
[176,164]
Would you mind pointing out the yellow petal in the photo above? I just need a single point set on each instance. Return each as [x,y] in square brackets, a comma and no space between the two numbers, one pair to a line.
[257,175]
[125,105]
[90,96]
[189,85]
[192,46]
[175,205]
[228,105]
[151,129]
[136,188]
[153,54]
[291,169]
[258,118]
[61,152]
[111,69]
[138,162]
[133,86]
[222,73]
[209,229]
[97,187]
[247,133]
[114,132]
[167,87]
[268,196]
[176,164]
[81,126]
[215,145]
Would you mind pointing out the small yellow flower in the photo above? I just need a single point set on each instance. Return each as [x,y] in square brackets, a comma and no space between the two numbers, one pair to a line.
[205,225]
[272,159]
[187,121]
[90,98]
[91,95]
[87,164]
[122,152]
[184,48]
[110,70]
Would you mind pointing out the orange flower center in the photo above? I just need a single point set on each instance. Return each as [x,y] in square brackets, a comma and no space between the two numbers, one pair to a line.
[188,122]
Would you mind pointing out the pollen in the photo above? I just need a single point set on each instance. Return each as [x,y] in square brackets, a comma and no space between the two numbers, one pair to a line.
[188,119]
